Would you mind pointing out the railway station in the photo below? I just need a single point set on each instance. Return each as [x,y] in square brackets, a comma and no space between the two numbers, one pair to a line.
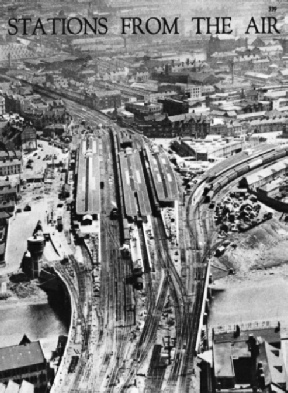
[148,223]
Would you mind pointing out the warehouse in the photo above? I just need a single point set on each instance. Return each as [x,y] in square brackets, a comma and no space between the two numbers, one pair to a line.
[24,361]
[235,352]
[209,150]
[265,175]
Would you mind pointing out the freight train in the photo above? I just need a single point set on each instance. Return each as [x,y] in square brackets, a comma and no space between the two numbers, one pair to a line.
[244,161]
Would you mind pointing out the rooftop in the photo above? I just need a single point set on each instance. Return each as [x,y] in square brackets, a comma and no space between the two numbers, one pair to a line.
[271,335]
[17,356]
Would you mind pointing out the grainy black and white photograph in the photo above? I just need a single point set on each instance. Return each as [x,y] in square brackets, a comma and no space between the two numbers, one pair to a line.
[143,196]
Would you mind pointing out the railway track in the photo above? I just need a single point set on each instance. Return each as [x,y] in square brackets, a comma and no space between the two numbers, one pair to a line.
[178,295]
[149,332]
[191,319]
[201,241]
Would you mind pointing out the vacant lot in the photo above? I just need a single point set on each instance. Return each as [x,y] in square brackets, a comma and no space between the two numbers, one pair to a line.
[259,288]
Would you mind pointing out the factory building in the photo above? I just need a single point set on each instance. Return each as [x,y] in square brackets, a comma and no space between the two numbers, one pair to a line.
[25,361]
[249,361]
[142,109]
[209,149]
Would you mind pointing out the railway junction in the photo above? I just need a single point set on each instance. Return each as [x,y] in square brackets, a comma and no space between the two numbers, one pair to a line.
[139,292]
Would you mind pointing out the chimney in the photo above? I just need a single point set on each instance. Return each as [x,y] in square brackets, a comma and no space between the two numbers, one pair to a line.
[237,331]
[262,381]
[253,346]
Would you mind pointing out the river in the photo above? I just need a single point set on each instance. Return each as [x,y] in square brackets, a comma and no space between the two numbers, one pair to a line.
[37,321]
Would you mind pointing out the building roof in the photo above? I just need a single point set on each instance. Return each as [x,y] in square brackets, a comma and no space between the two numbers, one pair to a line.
[203,77]
[275,93]
[88,186]
[224,37]
[12,387]
[284,72]
[106,93]
[32,176]
[271,335]
[272,363]
[8,190]
[280,120]
[236,347]
[26,387]
[260,61]
[223,364]
[257,75]
[248,116]
[10,162]
[3,216]
[186,117]
[17,356]
[271,48]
